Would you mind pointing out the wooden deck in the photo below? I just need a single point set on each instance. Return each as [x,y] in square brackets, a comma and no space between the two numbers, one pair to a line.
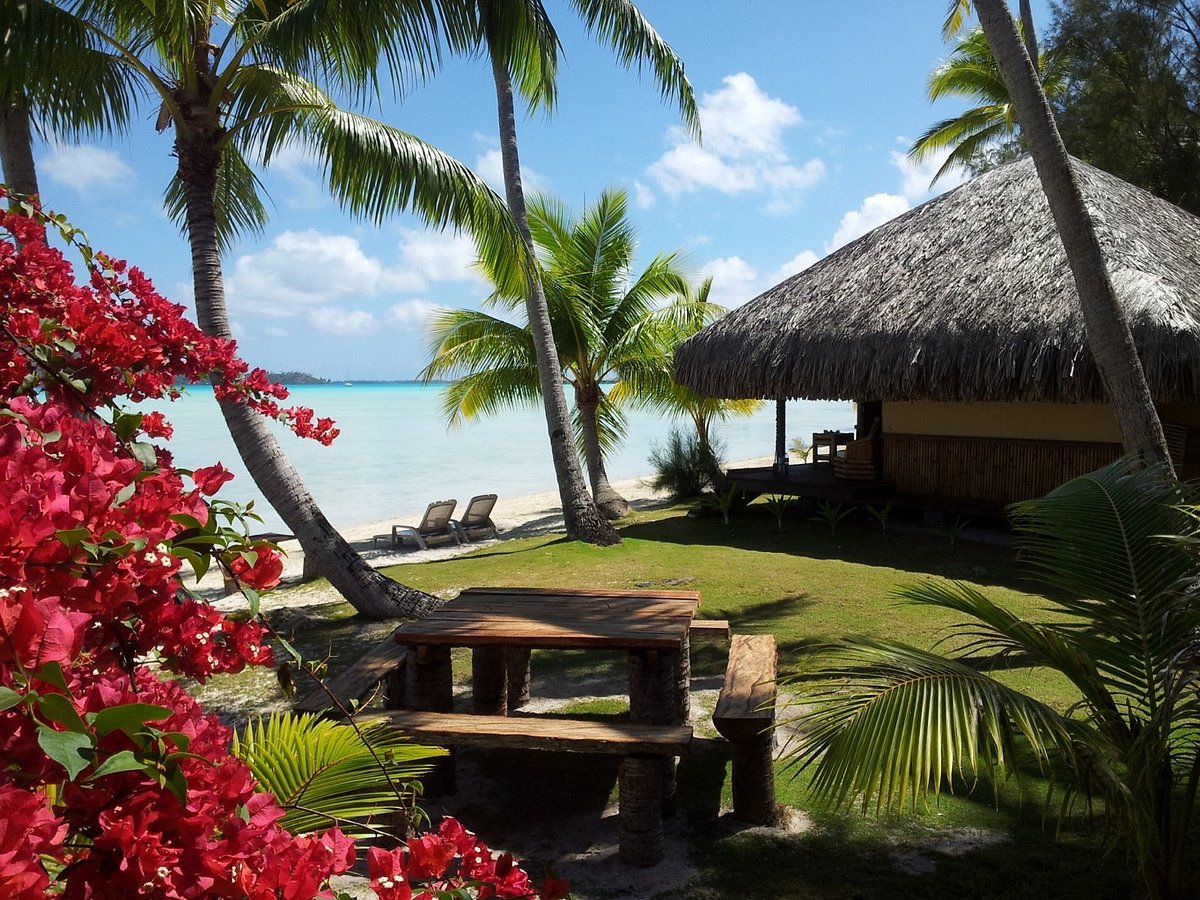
[813,481]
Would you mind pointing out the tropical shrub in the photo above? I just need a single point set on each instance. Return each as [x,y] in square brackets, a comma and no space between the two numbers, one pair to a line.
[1121,550]
[681,466]
[113,781]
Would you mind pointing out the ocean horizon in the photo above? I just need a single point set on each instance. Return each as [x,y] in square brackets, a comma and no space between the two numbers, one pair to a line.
[395,453]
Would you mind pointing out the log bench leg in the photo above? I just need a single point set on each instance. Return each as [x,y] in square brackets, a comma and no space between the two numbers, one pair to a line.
[489,680]
[640,802]
[517,661]
[754,779]
[653,700]
[429,686]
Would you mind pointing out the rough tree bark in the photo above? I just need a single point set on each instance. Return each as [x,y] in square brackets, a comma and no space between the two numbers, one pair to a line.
[1105,325]
[583,520]
[16,151]
[610,503]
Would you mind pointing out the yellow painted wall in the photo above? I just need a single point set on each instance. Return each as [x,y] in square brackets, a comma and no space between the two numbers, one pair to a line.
[1038,421]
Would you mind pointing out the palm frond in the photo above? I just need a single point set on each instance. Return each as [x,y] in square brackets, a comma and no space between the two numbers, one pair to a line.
[325,773]
[904,722]
[522,37]
[622,26]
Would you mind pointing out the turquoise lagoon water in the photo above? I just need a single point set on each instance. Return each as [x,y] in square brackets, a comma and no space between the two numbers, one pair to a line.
[395,453]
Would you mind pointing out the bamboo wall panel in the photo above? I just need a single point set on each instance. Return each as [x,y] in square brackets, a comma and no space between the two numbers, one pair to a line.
[989,472]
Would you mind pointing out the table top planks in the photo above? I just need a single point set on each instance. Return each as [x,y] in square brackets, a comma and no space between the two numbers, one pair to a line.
[558,619]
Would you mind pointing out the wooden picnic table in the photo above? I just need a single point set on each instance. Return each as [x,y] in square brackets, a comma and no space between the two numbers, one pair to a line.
[651,625]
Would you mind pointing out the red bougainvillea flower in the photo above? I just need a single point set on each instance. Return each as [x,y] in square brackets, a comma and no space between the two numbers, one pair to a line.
[262,574]
[388,874]
[209,479]
[28,830]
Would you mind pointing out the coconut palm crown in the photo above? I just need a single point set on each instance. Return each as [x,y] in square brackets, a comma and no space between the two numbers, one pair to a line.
[605,321]
[1119,549]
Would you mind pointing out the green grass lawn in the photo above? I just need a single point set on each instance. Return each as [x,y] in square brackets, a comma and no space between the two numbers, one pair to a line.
[801,584]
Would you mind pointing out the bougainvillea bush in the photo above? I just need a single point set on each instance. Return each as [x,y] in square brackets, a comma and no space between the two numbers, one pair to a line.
[113,781]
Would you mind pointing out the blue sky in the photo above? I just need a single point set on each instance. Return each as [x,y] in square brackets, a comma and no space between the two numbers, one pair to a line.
[808,109]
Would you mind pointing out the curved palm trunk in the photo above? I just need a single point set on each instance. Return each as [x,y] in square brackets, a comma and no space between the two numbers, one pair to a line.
[1031,45]
[583,521]
[369,592]
[708,457]
[16,151]
[610,503]
[1105,325]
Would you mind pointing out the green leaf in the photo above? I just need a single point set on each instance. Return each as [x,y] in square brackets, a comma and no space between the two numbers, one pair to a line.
[122,761]
[129,717]
[57,708]
[52,673]
[69,749]
[9,698]
[145,453]
[73,537]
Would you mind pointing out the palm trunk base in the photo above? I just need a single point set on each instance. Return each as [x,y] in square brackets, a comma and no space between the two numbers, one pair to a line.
[611,504]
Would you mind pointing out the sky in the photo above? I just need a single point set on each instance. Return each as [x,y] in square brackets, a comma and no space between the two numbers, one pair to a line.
[808,109]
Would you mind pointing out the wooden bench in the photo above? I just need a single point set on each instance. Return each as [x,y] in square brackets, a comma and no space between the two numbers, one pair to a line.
[384,662]
[643,747]
[745,716]
[709,630]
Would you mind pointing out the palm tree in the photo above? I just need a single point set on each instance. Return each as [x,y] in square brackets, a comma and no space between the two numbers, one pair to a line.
[42,87]
[1121,555]
[958,11]
[237,80]
[603,320]
[1107,329]
[653,383]
[509,32]
[985,135]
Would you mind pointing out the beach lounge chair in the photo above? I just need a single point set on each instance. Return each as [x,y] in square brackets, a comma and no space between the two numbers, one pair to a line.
[436,527]
[476,523]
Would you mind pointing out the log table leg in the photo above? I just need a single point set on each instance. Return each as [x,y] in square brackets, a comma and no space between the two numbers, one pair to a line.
[489,681]
[683,683]
[640,800]
[754,779]
[517,661]
[653,701]
[429,686]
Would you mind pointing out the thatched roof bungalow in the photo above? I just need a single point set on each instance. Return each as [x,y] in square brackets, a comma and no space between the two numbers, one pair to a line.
[958,324]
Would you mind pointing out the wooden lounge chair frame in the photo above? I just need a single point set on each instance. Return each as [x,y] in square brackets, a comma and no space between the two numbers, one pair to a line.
[436,527]
[476,523]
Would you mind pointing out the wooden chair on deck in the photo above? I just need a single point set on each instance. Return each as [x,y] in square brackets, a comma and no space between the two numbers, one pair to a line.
[860,460]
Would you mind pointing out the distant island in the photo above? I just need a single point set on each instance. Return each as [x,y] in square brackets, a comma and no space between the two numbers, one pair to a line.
[296,378]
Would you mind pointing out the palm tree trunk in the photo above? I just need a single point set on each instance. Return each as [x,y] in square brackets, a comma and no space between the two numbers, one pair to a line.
[16,152]
[611,504]
[583,521]
[369,592]
[1105,325]
[1031,44]
[708,458]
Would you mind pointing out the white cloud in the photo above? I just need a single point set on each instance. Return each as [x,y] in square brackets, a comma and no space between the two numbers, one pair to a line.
[305,268]
[916,179]
[85,168]
[643,195]
[489,166]
[797,263]
[874,211]
[743,148]
[734,280]
[437,256]
[299,168]
[412,315]
[273,331]
[332,320]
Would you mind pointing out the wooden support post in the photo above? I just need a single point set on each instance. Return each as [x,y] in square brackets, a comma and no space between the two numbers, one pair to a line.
[754,780]
[429,686]
[517,662]
[653,701]
[640,801]
[489,681]
[683,683]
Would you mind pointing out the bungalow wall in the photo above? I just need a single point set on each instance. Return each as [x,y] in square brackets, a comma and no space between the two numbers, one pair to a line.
[987,455]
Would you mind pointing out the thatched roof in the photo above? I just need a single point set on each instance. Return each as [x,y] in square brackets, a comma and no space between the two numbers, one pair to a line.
[966,297]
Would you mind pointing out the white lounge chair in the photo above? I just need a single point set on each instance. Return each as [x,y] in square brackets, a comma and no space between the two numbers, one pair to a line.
[436,527]
[476,523]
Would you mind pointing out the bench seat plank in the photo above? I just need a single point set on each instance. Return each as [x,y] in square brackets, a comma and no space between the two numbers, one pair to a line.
[709,630]
[536,733]
[585,593]
[746,702]
[356,681]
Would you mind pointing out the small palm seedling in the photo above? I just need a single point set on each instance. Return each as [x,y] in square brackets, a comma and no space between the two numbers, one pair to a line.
[722,500]
[955,529]
[800,448]
[832,513]
[881,514]
[778,505]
